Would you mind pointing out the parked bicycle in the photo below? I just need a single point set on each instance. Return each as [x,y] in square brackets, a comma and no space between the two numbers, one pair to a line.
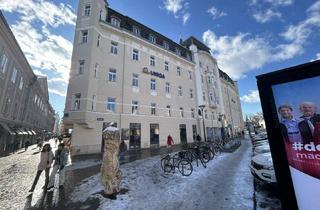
[170,163]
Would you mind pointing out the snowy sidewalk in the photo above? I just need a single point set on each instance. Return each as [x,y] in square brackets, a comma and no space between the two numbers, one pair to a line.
[225,184]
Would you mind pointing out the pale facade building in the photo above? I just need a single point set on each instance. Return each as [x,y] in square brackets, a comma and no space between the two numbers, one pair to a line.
[149,85]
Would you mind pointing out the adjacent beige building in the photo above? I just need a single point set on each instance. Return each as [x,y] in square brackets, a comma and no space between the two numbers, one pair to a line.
[25,111]
[149,85]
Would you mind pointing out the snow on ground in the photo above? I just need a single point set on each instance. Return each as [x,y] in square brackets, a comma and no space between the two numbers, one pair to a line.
[150,188]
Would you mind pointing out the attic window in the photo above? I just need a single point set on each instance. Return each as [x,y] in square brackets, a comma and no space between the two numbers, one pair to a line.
[115,21]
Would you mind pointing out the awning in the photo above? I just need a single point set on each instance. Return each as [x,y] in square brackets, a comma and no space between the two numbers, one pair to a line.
[5,126]
[24,131]
[18,131]
[29,132]
[34,133]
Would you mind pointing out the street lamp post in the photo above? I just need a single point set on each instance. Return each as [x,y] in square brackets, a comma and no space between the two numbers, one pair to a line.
[204,129]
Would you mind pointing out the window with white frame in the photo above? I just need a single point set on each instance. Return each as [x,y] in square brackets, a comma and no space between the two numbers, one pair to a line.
[111,104]
[152,38]
[211,97]
[166,66]
[135,54]
[152,61]
[135,80]
[191,93]
[165,45]
[112,77]
[3,63]
[153,109]
[152,84]
[76,102]
[201,78]
[98,40]
[178,51]
[169,110]
[181,112]
[114,48]
[204,96]
[84,36]
[190,74]
[205,114]
[81,67]
[179,91]
[136,31]
[134,107]
[87,10]
[115,21]
[96,70]
[178,71]
[167,88]
[21,83]
[192,113]
[213,116]
[14,75]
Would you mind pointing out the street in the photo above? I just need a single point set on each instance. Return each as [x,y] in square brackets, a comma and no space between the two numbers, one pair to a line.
[17,172]
[226,183]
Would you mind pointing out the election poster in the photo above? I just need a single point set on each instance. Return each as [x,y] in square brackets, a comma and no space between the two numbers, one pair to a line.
[298,110]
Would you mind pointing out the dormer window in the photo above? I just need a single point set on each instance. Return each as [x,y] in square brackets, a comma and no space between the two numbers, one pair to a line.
[115,21]
[178,51]
[166,45]
[152,38]
[136,31]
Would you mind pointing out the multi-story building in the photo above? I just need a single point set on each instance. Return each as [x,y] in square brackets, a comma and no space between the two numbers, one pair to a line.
[149,85]
[25,111]
[233,118]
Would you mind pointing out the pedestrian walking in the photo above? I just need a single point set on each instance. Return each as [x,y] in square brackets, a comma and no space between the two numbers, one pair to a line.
[46,158]
[170,142]
[122,149]
[26,145]
[60,161]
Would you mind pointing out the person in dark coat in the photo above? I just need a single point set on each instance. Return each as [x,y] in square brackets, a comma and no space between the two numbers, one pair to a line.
[169,141]
[122,149]
[310,123]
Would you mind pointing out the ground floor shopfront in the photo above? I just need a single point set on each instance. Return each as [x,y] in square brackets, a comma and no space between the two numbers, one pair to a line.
[140,132]
[14,137]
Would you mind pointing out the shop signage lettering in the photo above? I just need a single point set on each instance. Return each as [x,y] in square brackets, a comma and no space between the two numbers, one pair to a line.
[153,73]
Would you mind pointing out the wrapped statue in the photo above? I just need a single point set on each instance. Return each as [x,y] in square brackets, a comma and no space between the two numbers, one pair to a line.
[110,172]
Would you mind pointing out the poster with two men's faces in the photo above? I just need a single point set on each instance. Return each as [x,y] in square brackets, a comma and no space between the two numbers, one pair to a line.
[298,107]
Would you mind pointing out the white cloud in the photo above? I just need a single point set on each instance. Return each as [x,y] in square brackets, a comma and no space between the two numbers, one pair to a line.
[215,13]
[185,17]
[40,10]
[238,54]
[173,5]
[45,51]
[266,16]
[251,97]
[267,10]
[178,8]
[243,53]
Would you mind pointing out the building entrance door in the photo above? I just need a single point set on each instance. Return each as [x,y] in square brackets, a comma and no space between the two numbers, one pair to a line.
[135,135]
[183,133]
[154,135]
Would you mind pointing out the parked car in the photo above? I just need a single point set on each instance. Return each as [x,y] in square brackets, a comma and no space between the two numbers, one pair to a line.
[261,149]
[262,168]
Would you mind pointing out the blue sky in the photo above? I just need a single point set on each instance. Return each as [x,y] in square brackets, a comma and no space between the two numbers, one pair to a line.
[248,37]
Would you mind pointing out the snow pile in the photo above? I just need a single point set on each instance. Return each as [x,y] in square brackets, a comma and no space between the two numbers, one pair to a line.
[148,186]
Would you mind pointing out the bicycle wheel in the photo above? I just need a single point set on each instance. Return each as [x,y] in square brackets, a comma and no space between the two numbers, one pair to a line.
[168,165]
[185,167]
[205,156]
[164,161]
